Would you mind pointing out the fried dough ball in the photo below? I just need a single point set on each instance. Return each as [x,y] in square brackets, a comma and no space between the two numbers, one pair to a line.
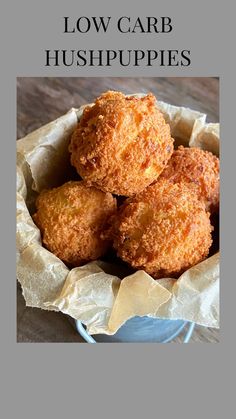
[121,144]
[164,230]
[71,219]
[193,165]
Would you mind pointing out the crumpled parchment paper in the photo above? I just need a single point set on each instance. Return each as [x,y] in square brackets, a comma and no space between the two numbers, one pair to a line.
[103,302]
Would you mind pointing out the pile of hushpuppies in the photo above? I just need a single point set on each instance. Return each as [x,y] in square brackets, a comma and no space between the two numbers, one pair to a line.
[122,146]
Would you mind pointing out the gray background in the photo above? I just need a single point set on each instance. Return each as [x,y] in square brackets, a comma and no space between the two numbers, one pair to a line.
[137,380]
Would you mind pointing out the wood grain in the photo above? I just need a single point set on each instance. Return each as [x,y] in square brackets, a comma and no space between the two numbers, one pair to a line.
[41,100]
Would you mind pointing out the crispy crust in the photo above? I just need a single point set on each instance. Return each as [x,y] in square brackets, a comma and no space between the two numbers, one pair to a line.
[163,230]
[71,219]
[199,167]
[121,144]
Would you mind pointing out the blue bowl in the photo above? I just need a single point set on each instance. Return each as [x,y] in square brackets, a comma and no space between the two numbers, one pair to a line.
[141,330]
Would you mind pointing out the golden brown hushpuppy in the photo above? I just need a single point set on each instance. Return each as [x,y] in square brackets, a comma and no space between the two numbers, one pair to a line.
[164,230]
[121,144]
[71,219]
[199,167]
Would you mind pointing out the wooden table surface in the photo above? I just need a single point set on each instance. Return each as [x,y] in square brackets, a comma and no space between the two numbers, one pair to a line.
[42,99]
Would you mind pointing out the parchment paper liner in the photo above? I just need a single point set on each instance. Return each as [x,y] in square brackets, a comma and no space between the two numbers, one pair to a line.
[100,300]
